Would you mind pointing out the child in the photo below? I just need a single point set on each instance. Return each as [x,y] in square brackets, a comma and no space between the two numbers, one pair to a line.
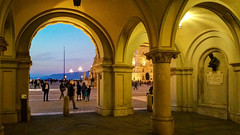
[88,93]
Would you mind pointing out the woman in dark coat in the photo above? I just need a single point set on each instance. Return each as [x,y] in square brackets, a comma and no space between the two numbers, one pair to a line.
[79,90]
[84,90]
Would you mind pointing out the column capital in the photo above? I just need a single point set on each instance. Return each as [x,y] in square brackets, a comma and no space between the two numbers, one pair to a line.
[3,45]
[162,56]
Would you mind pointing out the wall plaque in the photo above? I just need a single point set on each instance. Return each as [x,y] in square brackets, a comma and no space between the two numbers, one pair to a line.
[215,78]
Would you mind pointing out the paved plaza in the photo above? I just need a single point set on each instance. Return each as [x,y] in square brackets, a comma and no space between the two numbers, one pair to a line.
[55,106]
[47,119]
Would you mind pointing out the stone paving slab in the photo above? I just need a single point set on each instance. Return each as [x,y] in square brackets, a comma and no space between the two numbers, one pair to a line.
[137,124]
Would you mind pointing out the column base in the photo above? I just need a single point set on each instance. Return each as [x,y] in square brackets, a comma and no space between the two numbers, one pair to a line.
[9,117]
[120,111]
[103,112]
[235,117]
[130,110]
[1,129]
[163,125]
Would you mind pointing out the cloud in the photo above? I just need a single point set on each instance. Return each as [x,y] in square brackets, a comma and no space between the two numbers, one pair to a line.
[44,56]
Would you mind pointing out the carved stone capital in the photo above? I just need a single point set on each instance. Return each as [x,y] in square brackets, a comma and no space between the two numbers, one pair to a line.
[162,56]
[3,45]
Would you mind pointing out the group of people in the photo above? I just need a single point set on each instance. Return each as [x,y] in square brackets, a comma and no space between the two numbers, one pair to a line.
[82,91]
[38,83]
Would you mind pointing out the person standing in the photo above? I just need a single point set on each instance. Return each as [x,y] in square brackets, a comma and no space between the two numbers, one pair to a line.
[84,90]
[45,89]
[79,90]
[88,93]
[71,92]
[62,89]
[135,86]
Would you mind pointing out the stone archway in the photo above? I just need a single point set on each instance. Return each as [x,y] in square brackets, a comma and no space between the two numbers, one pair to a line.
[212,99]
[99,36]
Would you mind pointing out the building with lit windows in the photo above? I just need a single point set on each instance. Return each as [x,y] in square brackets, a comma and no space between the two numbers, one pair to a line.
[142,65]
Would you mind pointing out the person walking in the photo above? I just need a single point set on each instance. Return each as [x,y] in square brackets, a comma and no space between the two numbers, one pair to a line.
[45,89]
[135,86]
[84,91]
[88,93]
[62,89]
[79,90]
[71,92]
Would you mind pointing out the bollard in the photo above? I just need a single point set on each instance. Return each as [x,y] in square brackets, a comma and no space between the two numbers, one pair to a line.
[24,110]
[149,102]
[66,106]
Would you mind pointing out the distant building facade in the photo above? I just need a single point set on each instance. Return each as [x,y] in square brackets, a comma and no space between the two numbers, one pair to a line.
[142,65]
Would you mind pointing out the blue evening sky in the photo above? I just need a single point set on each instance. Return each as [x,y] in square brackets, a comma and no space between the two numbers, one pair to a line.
[47,50]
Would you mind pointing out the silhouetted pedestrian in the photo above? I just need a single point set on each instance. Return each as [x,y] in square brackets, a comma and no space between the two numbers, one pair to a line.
[84,91]
[45,89]
[62,89]
[79,91]
[71,92]
[88,93]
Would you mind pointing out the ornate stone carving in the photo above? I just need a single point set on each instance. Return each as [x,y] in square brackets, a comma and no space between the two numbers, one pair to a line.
[162,56]
[3,45]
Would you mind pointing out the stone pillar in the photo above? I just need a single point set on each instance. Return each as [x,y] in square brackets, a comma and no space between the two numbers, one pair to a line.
[22,81]
[3,47]
[122,90]
[104,90]
[236,114]
[66,106]
[162,120]
[182,89]
[149,102]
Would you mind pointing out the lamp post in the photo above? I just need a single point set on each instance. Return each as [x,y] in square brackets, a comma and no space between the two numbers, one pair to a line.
[71,71]
[80,70]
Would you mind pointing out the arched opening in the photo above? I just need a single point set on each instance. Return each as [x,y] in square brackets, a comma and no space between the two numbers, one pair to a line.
[205,29]
[98,36]
[55,50]
[213,86]
[132,46]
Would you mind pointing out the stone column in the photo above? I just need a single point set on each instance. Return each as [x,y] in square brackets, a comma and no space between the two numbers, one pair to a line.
[162,120]
[122,93]
[104,90]
[3,47]
[183,93]
[236,69]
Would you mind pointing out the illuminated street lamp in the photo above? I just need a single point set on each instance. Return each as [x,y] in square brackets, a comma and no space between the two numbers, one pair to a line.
[80,70]
[71,71]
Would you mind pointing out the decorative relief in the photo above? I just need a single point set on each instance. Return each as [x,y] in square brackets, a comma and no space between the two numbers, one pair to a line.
[215,78]
[162,56]
[3,45]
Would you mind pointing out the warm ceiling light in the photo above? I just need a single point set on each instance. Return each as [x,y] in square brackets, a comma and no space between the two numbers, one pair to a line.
[77,2]
[186,17]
